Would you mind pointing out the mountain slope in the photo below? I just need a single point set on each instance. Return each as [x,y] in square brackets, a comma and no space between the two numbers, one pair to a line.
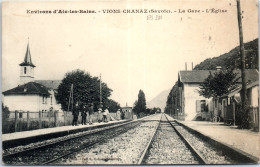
[227,60]
[159,100]
[232,58]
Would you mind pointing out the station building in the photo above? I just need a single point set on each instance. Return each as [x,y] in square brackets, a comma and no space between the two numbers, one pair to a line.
[192,106]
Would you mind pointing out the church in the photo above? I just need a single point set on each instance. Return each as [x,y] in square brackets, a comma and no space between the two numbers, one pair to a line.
[32,95]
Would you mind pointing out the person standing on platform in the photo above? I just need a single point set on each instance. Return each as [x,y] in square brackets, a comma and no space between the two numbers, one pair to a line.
[75,114]
[118,114]
[123,115]
[84,115]
[100,115]
[91,113]
[105,115]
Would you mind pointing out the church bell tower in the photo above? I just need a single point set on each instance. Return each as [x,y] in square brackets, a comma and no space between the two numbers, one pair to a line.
[27,68]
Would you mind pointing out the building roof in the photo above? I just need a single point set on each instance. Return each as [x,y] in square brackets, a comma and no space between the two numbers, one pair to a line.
[194,76]
[28,88]
[127,107]
[238,89]
[198,76]
[27,58]
[50,84]
[252,84]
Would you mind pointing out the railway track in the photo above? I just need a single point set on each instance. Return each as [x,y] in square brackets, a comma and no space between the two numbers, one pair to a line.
[173,144]
[155,140]
[168,147]
[125,148]
[56,149]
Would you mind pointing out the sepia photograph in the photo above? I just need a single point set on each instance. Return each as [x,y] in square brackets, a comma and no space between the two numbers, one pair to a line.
[120,82]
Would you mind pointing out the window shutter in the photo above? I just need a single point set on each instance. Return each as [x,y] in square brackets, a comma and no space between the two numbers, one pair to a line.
[198,106]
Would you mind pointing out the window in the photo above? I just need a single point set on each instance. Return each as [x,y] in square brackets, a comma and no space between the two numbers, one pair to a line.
[20,115]
[224,102]
[44,100]
[204,106]
[24,70]
[201,106]
[198,106]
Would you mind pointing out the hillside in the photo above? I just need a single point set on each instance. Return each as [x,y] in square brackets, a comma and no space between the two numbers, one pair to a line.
[227,60]
[159,100]
[232,58]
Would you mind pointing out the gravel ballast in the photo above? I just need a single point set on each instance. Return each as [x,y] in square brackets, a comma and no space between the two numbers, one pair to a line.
[211,154]
[123,149]
[168,148]
[42,155]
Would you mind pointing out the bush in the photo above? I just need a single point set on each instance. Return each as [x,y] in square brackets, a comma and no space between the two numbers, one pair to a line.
[242,117]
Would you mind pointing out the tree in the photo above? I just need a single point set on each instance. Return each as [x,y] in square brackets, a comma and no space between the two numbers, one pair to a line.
[155,110]
[140,104]
[85,90]
[218,84]
[232,59]
[5,112]
[148,111]
[112,105]
[173,101]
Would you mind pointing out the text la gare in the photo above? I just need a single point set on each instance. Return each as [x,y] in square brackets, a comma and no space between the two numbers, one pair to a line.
[211,10]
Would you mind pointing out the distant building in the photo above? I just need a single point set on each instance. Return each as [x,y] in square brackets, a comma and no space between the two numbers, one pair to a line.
[127,108]
[30,94]
[128,111]
[192,106]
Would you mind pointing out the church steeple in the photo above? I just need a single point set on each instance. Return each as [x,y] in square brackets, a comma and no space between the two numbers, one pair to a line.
[27,68]
[27,58]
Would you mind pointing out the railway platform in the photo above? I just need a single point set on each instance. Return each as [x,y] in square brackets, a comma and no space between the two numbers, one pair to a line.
[26,137]
[37,132]
[243,140]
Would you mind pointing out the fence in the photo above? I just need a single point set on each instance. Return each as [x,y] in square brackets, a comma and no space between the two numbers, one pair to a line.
[24,120]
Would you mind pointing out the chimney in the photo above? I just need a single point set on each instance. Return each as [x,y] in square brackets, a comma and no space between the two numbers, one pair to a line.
[191,65]
[185,66]
[218,68]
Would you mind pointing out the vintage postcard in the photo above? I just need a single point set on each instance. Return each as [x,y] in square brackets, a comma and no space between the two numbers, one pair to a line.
[120,82]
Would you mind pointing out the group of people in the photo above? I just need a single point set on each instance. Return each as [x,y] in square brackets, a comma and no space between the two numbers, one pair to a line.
[103,116]
[87,111]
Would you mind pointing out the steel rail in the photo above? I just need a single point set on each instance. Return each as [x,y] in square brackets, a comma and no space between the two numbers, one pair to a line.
[200,158]
[141,159]
[79,149]
[6,156]
[86,146]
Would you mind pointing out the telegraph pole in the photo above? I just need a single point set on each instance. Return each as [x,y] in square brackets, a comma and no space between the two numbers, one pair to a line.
[242,52]
[70,98]
[100,96]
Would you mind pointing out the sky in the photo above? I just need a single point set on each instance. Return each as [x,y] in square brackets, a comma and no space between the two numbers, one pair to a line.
[130,51]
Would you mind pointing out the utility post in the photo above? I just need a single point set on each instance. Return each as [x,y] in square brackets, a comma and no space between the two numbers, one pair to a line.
[70,101]
[242,53]
[100,96]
